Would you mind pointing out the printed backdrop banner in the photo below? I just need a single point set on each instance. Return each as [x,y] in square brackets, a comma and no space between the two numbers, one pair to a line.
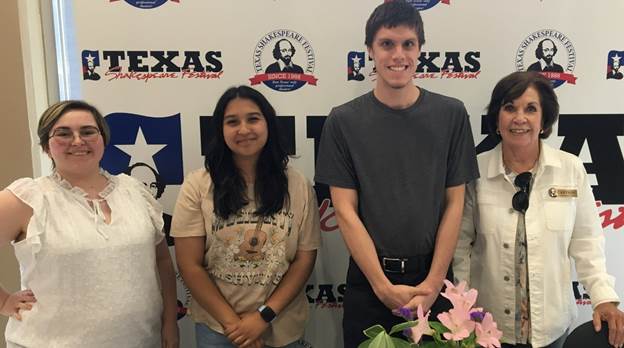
[156,69]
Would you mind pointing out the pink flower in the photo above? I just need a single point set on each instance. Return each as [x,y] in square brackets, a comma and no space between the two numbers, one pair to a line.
[487,333]
[422,328]
[452,290]
[459,297]
[458,321]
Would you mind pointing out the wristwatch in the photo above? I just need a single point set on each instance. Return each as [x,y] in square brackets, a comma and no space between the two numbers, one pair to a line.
[266,313]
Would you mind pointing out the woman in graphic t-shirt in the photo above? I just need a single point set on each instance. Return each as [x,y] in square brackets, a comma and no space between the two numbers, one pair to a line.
[246,230]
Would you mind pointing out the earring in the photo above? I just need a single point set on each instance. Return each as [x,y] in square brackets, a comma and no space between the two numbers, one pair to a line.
[498,132]
[541,131]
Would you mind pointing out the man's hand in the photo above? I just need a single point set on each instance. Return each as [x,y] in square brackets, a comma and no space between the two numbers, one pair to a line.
[609,312]
[246,333]
[397,296]
[429,295]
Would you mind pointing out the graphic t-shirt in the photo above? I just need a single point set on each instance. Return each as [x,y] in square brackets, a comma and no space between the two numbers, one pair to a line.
[246,255]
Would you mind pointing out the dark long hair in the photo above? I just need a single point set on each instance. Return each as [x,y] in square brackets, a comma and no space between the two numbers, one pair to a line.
[229,188]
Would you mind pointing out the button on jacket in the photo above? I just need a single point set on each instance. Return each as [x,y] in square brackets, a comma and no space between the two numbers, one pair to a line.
[559,228]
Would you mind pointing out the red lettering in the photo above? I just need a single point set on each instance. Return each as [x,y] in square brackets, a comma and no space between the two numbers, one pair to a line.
[607,219]
[326,217]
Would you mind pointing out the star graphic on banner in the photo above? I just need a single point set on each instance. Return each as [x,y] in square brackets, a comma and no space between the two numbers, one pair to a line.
[141,151]
[90,58]
[356,59]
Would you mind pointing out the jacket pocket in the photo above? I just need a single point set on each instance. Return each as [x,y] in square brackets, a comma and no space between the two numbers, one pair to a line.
[495,211]
[559,211]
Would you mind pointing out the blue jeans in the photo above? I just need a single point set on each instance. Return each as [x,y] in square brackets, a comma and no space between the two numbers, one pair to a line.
[208,338]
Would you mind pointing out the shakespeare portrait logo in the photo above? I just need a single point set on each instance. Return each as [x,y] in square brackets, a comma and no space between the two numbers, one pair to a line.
[549,52]
[284,61]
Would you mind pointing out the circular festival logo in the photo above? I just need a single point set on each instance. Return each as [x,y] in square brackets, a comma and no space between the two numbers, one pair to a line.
[146,4]
[424,4]
[283,61]
[549,52]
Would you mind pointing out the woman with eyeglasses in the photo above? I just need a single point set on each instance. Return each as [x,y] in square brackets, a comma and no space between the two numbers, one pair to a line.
[246,231]
[95,268]
[529,215]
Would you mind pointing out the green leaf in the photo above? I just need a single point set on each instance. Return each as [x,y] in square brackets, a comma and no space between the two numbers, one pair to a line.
[374,331]
[437,337]
[429,344]
[438,327]
[382,340]
[470,341]
[400,327]
[400,343]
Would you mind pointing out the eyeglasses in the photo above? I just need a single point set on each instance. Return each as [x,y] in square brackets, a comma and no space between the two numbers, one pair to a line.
[520,200]
[66,135]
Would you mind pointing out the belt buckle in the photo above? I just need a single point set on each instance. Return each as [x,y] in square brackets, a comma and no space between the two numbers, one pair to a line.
[389,264]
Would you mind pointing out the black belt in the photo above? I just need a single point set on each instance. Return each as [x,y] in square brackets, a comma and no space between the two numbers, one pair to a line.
[402,265]
[393,264]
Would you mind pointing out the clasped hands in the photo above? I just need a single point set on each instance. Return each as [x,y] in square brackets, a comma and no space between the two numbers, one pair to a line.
[397,296]
[247,332]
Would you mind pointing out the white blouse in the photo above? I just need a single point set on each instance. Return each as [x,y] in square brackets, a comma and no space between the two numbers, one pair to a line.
[96,284]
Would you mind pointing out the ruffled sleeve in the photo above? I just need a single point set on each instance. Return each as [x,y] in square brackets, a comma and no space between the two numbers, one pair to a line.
[29,192]
[154,208]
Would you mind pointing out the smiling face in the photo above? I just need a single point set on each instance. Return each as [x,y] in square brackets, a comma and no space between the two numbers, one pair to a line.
[244,129]
[395,52]
[76,145]
[520,121]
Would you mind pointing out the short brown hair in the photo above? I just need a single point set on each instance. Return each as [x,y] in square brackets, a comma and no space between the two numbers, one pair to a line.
[49,118]
[392,14]
[511,87]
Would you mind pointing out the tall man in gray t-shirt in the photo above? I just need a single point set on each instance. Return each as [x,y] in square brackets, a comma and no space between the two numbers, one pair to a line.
[396,160]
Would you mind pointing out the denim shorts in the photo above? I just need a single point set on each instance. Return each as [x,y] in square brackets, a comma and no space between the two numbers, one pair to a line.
[208,338]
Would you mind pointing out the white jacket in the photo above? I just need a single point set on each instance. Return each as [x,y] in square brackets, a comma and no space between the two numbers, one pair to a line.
[558,229]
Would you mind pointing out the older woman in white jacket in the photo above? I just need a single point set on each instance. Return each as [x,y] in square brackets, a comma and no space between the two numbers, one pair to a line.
[529,215]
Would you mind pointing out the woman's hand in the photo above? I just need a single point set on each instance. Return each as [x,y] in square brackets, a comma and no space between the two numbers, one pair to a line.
[614,317]
[16,302]
[248,330]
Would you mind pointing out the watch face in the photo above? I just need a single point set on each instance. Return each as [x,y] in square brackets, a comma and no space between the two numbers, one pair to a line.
[266,313]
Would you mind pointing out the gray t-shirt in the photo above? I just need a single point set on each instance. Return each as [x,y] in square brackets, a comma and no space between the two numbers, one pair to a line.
[400,162]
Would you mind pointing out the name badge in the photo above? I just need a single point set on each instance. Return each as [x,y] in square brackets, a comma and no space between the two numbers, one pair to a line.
[559,192]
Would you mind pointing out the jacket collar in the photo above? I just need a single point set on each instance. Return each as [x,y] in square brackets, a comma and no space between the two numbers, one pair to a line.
[547,158]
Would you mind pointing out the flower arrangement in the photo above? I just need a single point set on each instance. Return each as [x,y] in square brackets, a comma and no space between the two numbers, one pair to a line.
[461,327]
